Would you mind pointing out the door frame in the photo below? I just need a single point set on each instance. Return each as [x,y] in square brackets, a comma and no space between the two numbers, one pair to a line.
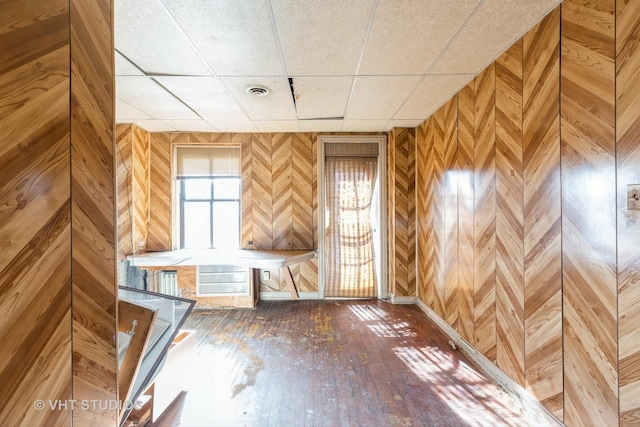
[381,258]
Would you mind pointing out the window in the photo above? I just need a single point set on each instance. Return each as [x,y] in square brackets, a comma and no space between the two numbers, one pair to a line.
[209,185]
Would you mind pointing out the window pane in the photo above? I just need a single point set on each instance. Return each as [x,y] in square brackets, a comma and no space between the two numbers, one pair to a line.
[226,225]
[197,225]
[197,189]
[226,188]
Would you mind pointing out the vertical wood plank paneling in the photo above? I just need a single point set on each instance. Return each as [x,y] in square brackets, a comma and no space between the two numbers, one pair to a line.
[466,142]
[451,262]
[484,276]
[424,217]
[302,202]
[35,250]
[589,221]
[542,213]
[93,228]
[404,211]
[509,215]
[437,155]
[160,209]
[282,190]
[247,193]
[628,172]
[261,184]
[140,183]
[391,197]
[124,143]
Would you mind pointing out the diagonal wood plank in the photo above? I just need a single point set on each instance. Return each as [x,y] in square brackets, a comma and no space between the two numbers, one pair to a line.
[160,217]
[484,276]
[542,213]
[424,220]
[437,155]
[451,177]
[261,183]
[282,191]
[466,142]
[627,41]
[509,215]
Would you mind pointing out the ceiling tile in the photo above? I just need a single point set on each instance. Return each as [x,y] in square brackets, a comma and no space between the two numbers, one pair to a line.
[320,125]
[148,96]
[207,96]
[278,126]
[137,36]
[152,125]
[321,97]
[125,68]
[365,126]
[278,105]
[495,27]
[430,94]
[236,38]
[235,126]
[191,125]
[320,38]
[405,123]
[127,113]
[407,39]
[378,98]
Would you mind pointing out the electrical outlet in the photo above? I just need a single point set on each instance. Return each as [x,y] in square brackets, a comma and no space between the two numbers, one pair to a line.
[266,275]
[633,197]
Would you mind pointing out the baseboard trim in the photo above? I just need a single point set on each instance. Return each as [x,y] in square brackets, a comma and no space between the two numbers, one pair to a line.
[402,300]
[534,410]
[287,296]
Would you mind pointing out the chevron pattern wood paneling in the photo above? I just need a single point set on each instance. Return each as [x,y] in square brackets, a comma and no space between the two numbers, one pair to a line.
[403,202]
[93,229]
[124,145]
[247,193]
[451,288]
[542,248]
[628,172]
[466,193]
[484,277]
[140,183]
[509,215]
[160,184]
[35,274]
[303,195]
[437,177]
[424,216]
[588,157]
[282,190]
[261,184]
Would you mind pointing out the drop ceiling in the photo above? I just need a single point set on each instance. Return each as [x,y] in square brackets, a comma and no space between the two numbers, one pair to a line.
[330,65]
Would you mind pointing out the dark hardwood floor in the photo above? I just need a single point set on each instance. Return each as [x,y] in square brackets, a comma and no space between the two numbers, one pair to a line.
[334,363]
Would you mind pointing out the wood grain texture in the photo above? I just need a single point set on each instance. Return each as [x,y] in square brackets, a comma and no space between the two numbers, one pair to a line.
[93,229]
[588,159]
[302,182]
[628,172]
[281,191]
[484,277]
[451,177]
[403,219]
[391,195]
[424,216]
[247,192]
[438,238]
[466,194]
[160,189]
[509,215]
[261,184]
[124,145]
[542,213]
[140,184]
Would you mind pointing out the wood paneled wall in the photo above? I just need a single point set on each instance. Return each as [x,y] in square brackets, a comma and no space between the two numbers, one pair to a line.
[132,171]
[93,199]
[627,38]
[279,193]
[402,209]
[554,124]
[57,262]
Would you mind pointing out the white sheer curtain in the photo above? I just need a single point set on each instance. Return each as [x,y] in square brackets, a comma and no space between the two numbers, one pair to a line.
[349,249]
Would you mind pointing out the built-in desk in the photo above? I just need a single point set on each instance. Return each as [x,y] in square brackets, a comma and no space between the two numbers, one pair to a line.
[254,259]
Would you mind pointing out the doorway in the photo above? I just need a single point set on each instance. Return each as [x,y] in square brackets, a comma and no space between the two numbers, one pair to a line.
[351,197]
